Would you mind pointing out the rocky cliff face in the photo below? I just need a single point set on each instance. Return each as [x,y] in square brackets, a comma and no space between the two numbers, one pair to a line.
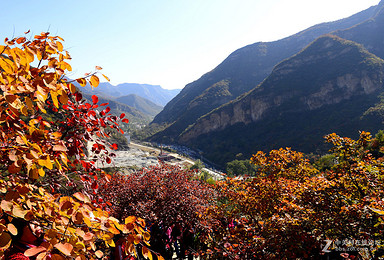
[329,72]
[242,71]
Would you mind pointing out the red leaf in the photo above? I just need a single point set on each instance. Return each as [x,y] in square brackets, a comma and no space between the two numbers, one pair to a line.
[125,120]
[78,96]
[122,115]
[95,99]
[94,185]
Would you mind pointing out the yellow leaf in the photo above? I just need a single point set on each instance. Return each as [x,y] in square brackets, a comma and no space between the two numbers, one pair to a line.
[99,254]
[41,172]
[6,67]
[380,212]
[72,88]
[94,81]
[41,107]
[81,81]
[46,162]
[54,98]
[105,77]
[130,219]
[41,191]
[18,211]
[24,110]
[29,55]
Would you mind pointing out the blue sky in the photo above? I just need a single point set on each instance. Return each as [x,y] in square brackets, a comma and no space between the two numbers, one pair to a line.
[165,42]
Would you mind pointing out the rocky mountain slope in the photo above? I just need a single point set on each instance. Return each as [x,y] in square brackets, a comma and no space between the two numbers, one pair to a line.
[242,71]
[325,88]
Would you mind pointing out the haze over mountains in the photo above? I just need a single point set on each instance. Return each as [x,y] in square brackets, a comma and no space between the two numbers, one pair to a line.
[290,92]
[154,93]
[140,102]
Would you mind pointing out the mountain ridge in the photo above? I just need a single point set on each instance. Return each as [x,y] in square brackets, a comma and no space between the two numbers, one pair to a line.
[142,104]
[243,70]
[269,114]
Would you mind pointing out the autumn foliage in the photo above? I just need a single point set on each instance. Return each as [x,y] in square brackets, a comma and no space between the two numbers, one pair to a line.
[45,128]
[51,141]
[290,209]
[163,195]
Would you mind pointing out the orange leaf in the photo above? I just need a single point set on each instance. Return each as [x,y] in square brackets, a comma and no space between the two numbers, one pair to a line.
[130,219]
[99,68]
[12,229]
[59,148]
[82,197]
[59,46]
[65,248]
[146,253]
[6,205]
[63,98]
[34,251]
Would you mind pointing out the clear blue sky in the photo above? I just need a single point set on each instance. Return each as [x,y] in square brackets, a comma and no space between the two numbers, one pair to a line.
[165,42]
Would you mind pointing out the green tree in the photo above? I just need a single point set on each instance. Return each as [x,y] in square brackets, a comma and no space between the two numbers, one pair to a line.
[198,165]
[240,167]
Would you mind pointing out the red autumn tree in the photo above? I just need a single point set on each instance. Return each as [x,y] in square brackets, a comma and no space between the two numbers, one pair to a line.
[165,196]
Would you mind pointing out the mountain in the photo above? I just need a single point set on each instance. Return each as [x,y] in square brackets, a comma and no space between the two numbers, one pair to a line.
[144,105]
[242,71]
[154,93]
[326,88]
[369,33]
[135,116]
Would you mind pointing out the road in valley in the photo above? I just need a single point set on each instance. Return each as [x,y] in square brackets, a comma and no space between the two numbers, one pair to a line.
[183,160]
